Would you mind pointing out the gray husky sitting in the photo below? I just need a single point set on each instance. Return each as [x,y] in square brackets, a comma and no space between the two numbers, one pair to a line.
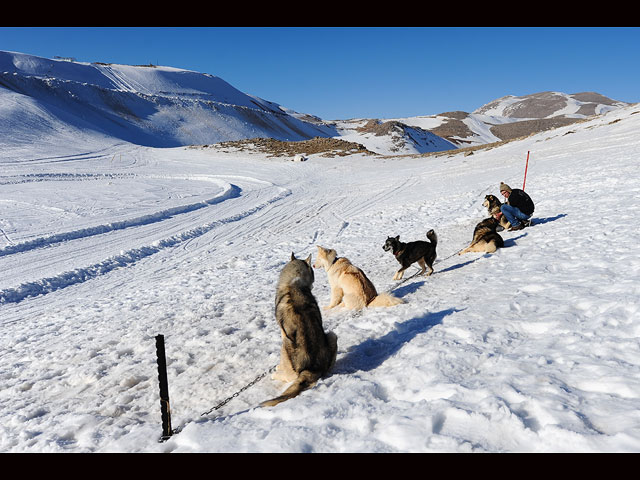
[307,353]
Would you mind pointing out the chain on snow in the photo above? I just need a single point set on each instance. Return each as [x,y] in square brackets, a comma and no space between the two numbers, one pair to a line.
[250,384]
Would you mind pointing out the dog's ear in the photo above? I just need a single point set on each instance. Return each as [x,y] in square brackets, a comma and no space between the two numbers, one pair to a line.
[293,257]
[308,260]
[398,238]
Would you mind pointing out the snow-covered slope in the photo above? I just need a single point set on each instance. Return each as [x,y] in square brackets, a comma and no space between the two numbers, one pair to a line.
[147,105]
[391,137]
[534,348]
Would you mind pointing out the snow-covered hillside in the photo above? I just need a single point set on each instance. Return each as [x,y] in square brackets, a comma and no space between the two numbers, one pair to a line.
[105,244]
[391,137]
[147,105]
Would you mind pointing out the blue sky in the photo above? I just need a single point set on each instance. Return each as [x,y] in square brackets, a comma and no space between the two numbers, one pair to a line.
[381,72]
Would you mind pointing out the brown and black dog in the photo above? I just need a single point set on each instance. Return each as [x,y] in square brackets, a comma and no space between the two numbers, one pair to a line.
[485,237]
[408,253]
[493,204]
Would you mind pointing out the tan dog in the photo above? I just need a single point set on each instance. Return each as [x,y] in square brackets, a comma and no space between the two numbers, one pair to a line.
[485,237]
[350,287]
[493,204]
[307,353]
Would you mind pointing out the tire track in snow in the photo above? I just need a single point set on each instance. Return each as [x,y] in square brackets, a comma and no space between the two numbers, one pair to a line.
[127,258]
[229,191]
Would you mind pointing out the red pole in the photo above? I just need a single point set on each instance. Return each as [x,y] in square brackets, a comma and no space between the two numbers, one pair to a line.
[525,171]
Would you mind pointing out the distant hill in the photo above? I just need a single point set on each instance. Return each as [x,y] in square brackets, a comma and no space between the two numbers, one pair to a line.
[511,117]
[503,119]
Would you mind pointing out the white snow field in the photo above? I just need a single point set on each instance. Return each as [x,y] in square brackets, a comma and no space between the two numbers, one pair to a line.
[532,349]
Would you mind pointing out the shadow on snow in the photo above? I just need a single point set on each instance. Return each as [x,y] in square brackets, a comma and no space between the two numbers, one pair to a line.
[372,353]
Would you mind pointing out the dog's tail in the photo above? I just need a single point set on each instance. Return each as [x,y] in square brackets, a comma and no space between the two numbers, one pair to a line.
[431,235]
[385,300]
[306,379]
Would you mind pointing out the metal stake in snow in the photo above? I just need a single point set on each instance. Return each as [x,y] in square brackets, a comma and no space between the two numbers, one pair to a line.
[165,409]
[525,171]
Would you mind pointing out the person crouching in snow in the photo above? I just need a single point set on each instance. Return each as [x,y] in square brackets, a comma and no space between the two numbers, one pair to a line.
[518,207]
